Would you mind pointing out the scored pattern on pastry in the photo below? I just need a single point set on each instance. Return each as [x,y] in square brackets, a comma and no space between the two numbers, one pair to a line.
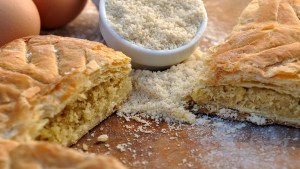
[41,75]
[265,44]
[38,60]
[257,69]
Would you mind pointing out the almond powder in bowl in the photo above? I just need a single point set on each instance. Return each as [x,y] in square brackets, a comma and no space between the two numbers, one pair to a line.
[153,33]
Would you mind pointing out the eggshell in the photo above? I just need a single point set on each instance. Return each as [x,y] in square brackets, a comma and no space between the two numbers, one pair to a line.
[57,13]
[18,18]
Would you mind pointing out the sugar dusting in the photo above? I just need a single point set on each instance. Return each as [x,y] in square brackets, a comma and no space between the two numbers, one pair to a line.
[161,95]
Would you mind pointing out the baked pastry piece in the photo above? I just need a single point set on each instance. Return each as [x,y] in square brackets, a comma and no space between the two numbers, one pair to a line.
[56,88]
[256,71]
[39,155]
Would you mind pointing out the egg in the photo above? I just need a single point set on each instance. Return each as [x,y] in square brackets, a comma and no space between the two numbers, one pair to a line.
[18,18]
[57,13]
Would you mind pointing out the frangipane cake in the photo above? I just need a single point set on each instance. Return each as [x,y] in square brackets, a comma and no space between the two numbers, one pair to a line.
[56,88]
[42,155]
[256,71]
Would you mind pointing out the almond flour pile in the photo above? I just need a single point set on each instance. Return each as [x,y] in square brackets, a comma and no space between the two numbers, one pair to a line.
[161,95]
[153,24]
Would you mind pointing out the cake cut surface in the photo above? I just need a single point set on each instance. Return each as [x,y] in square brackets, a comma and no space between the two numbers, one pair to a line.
[57,88]
[256,71]
[42,155]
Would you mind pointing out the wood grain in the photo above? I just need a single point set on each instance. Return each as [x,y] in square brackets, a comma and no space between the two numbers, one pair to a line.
[211,143]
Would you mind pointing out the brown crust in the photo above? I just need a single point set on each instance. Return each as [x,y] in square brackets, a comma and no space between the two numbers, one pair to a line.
[40,155]
[263,49]
[39,75]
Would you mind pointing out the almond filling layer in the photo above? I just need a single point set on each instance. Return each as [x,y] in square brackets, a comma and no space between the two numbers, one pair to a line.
[265,102]
[86,112]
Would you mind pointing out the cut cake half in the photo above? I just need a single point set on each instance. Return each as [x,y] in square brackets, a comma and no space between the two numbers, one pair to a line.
[255,74]
[57,88]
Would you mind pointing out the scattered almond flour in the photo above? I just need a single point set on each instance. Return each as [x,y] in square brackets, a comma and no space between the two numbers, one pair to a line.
[163,24]
[227,113]
[218,143]
[257,119]
[122,147]
[138,119]
[161,95]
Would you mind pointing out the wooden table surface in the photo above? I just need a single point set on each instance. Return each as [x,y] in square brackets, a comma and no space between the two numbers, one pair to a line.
[211,143]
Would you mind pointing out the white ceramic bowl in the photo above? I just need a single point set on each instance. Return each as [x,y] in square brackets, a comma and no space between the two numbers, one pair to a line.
[148,58]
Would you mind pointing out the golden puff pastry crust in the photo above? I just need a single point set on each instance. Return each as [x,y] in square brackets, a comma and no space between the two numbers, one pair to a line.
[42,155]
[57,88]
[257,69]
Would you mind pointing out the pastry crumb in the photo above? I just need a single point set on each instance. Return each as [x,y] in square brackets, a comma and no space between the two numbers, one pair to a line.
[102,138]
[173,138]
[85,147]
